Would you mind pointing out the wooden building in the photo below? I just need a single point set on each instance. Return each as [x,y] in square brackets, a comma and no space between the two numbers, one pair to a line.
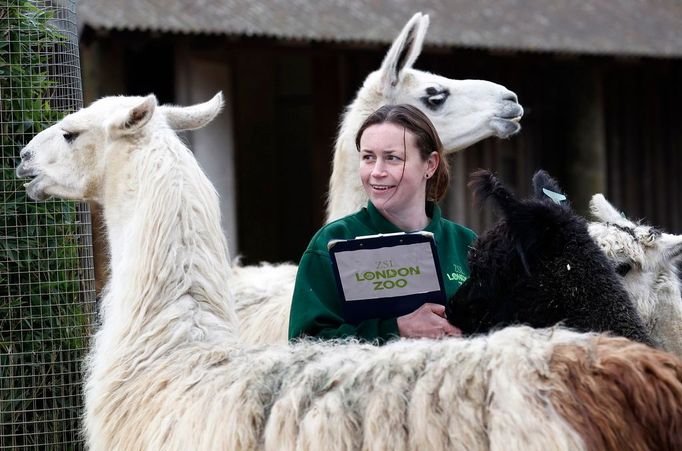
[600,83]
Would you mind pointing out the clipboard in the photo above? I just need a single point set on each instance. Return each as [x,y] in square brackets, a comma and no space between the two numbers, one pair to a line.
[387,275]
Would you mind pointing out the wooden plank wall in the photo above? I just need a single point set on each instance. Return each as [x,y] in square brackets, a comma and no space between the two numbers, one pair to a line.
[288,99]
[643,112]
[640,100]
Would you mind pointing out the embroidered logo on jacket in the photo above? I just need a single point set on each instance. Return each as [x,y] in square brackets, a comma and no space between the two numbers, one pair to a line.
[457,275]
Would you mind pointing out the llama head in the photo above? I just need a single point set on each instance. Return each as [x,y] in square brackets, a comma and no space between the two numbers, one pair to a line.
[505,260]
[68,159]
[463,111]
[533,223]
[644,256]
[539,266]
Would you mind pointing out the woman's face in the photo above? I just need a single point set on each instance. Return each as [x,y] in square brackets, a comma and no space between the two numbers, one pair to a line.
[392,171]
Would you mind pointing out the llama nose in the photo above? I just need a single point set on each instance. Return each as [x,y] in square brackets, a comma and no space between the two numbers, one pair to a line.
[510,96]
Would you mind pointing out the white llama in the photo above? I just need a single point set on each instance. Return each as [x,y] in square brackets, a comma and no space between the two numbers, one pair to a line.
[166,370]
[647,259]
[463,111]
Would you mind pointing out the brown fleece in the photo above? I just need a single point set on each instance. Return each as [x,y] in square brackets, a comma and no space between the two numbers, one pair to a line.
[619,395]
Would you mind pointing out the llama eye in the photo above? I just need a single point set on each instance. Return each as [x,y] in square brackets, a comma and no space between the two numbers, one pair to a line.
[654,233]
[70,136]
[434,98]
[438,99]
[623,268]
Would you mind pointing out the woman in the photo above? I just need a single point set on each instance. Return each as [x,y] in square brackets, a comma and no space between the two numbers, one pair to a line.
[404,174]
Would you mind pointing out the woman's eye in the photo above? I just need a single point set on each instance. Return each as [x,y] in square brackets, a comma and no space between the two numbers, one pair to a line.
[70,136]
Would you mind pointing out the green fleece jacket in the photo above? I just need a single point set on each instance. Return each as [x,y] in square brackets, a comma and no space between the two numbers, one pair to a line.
[316,305]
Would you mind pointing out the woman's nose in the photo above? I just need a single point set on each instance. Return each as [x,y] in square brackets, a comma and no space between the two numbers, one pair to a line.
[379,169]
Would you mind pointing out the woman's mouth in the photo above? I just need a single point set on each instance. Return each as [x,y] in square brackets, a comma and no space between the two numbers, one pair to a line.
[382,187]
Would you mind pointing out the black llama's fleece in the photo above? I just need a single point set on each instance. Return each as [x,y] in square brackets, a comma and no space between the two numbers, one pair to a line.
[539,266]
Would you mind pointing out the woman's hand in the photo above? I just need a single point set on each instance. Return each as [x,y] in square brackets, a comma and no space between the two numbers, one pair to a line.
[427,321]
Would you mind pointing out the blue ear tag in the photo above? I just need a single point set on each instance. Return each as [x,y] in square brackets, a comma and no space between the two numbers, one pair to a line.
[556,197]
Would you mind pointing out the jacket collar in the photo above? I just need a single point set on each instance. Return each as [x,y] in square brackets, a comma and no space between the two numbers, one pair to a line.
[383,225]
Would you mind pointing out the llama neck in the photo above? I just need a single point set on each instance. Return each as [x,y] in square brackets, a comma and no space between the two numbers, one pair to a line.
[169,264]
[668,287]
[667,310]
[346,194]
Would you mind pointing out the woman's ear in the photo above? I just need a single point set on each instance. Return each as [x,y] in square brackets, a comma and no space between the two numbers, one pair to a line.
[432,163]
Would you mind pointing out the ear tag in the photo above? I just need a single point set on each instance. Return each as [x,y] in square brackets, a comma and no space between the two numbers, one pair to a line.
[622,215]
[556,197]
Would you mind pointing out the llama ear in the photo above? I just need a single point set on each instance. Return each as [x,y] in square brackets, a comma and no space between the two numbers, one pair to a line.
[403,52]
[485,185]
[192,117]
[131,120]
[603,211]
[672,246]
[545,187]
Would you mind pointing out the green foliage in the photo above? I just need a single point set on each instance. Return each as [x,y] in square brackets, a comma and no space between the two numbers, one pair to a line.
[45,315]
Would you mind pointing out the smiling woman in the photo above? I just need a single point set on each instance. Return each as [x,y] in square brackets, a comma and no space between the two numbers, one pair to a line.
[400,146]
[394,175]
[403,174]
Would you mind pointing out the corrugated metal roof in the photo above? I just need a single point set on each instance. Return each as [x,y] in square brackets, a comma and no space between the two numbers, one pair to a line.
[618,27]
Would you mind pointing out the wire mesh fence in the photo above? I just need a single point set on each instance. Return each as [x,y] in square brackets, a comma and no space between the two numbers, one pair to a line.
[47,296]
